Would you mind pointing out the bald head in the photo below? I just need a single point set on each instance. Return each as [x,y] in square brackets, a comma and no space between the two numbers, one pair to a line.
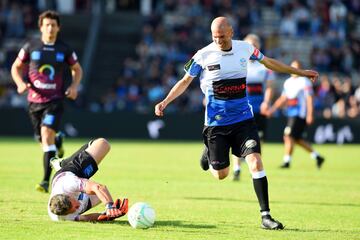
[220,23]
[222,33]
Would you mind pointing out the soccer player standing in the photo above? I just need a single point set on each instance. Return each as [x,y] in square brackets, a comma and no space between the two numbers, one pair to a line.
[298,95]
[229,120]
[46,59]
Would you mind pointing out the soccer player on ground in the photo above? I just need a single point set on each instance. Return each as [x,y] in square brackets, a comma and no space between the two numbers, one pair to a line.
[229,120]
[259,86]
[46,59]
[298,95]
[72,192]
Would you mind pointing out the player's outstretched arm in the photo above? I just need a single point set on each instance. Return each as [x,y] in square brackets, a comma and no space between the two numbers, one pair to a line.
[278,66]
[175,92]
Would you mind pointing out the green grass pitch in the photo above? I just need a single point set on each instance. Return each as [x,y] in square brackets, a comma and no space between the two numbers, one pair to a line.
[189,203]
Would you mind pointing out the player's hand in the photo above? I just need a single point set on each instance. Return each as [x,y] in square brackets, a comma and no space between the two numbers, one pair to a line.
[23,87]
[159,109]
[116,210]
[268,112]
[123,205]
[71,92]
[313,75]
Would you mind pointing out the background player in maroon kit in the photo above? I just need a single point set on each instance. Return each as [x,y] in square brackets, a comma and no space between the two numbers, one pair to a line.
[46,59]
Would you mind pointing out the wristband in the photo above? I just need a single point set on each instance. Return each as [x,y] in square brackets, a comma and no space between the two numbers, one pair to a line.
[109,205]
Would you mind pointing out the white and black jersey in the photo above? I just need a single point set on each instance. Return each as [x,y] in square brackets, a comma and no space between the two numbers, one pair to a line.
[223,81]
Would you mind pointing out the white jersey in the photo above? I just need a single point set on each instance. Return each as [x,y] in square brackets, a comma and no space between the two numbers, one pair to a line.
[223,81]
[296,89]
[257,78]
[68,183]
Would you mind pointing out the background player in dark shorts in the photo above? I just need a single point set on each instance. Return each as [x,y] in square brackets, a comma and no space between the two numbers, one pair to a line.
[298,95]
[73,193]
[259,86]
[46,59]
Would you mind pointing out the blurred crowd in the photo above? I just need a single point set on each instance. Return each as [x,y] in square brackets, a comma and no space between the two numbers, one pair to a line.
[173,30]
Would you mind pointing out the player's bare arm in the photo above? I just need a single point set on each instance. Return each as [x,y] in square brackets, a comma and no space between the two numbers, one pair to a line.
[91,217]
[76,73]
[104,195]
[264,107]
[16,73]
[310,110]
[278,66]
[175,92]
[278,104]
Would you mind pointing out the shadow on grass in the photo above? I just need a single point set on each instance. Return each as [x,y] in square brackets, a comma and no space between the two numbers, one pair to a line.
[280,202]
[166,223]
[319,230]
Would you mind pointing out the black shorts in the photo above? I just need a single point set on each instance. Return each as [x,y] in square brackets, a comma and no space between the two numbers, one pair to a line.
[261,121]
[295,127]
[241,137]
[46,114]
[81,163]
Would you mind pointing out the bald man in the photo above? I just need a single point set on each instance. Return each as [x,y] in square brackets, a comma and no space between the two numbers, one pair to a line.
[229,120]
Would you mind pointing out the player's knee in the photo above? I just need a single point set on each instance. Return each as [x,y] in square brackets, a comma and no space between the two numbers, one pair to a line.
[220,174]
[255,163]
[104,144]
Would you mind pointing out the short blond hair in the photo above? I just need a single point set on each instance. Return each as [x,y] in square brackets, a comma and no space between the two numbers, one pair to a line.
[60,204]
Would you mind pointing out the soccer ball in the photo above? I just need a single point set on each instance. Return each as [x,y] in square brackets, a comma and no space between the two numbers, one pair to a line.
[141,215]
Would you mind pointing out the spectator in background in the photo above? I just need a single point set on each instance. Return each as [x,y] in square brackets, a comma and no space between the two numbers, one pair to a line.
[14,22]
[324,98]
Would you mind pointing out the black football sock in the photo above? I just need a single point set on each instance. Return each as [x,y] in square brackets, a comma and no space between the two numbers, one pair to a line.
[46,161]
[261,189]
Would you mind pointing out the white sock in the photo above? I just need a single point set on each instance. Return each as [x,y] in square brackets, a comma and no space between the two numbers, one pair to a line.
[50,148]
[314,155]
[265,213]
[257,175]
[236,168]
[287,158]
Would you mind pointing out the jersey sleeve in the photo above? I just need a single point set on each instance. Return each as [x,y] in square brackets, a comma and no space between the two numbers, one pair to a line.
[74,184]
[71,57]
[193,66]
[24,53]
[255,53]
[308,87]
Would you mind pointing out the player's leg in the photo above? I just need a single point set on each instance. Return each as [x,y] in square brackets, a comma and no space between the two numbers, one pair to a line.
[236,167]
[289,142]
[288,151]
[49,126]
[59,140]
[49,149]
[204,159]
[98,149]
[261,189]
[313,154]
[218,151]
